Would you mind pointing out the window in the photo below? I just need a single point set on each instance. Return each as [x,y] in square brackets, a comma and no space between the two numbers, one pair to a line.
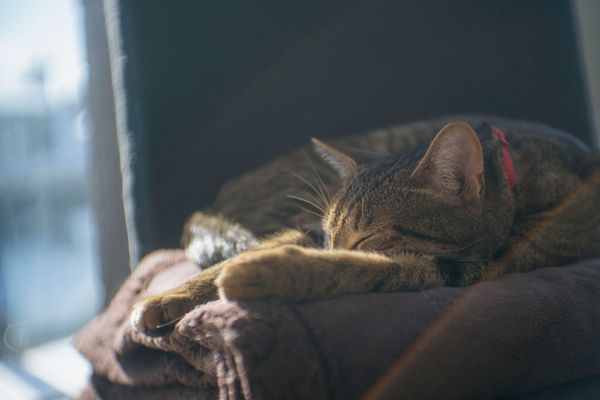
[49,283]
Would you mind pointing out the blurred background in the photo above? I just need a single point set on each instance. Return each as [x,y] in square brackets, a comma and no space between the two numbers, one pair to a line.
[48,254]
[47,234]
[118,118]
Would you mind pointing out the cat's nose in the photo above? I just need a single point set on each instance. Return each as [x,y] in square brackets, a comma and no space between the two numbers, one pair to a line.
[327,242]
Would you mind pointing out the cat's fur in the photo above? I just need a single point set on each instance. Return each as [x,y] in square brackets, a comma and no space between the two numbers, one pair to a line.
[425,216]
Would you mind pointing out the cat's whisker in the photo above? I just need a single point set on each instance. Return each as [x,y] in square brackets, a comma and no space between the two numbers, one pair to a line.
[325,203]
[307,201]
[311,212]
[317,201]
[323,194]
[320,183]
[312,203]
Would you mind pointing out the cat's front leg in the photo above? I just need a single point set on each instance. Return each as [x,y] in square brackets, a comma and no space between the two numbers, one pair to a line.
[163,310]
[293,273]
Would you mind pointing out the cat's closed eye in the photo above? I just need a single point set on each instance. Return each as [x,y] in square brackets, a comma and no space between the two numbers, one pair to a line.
[379,241]
[359,244]
[421,236]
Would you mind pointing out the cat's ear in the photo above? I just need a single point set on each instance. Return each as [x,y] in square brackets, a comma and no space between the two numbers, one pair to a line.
[345,161]
[342,163]
[454,162]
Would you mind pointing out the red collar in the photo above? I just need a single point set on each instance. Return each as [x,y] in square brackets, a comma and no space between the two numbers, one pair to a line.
[509,168]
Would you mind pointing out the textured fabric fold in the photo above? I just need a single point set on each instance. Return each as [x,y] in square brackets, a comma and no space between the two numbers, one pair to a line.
[520,334]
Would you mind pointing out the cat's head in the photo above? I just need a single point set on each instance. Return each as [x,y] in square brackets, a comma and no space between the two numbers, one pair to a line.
[424,201]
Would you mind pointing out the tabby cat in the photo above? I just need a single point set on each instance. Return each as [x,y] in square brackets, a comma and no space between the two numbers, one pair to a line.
[468,206]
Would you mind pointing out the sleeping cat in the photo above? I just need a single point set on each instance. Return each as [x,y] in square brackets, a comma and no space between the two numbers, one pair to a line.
[468,206]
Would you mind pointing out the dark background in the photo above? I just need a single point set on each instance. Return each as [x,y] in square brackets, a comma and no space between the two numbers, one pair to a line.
[216,88]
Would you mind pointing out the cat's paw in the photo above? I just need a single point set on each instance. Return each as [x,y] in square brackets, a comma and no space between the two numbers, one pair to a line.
[260,275]
[157,313]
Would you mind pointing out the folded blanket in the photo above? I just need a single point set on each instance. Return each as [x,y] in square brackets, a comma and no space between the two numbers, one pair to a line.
[508,337]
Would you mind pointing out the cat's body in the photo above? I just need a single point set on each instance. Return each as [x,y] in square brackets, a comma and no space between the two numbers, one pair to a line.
[428,215]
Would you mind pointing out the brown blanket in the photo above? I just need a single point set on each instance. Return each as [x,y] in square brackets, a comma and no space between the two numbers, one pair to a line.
[533,334]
